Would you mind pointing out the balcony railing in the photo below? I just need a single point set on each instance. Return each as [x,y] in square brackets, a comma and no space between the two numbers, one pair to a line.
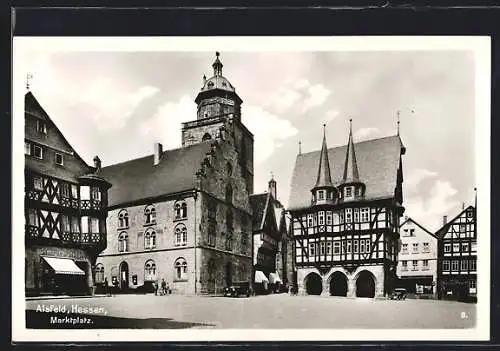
[70,237]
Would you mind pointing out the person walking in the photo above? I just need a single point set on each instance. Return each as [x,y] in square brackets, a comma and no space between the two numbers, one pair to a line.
[106,287]
[155,287]
[164,286]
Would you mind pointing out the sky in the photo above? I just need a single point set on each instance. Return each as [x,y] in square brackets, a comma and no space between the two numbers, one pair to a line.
[117,104]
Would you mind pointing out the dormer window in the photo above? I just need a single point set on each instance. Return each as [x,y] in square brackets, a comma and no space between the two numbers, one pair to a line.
[59,159]
[41,127]
[357,191]
[348,191]
[321,195]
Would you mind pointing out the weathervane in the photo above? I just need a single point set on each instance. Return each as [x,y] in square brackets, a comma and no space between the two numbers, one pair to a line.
[29,77]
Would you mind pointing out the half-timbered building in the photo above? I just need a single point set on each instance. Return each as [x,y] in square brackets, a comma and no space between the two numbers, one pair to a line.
[184,215]
[65,209]
[346,204]
[457,256]
[269,233]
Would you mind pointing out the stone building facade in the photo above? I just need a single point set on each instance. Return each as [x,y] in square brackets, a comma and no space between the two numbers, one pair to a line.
[199,195]
[65,209]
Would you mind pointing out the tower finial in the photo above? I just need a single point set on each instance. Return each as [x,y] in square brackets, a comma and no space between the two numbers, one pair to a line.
[272,175]
[300,147]
[217,65]
[475,199]
[29,77]
[398,113]
[350,126]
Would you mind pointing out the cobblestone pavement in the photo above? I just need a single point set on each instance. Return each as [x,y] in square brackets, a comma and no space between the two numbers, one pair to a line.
[267,312]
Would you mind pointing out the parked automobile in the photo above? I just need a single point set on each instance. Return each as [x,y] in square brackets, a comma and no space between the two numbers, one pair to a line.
[238,288]
[398,294]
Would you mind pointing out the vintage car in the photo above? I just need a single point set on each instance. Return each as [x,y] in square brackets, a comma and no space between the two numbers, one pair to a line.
[398,294]
[238,288]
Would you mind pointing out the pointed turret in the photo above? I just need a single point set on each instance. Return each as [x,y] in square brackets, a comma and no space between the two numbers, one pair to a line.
[324,191]
[324,176]
[351,187]
[351,173]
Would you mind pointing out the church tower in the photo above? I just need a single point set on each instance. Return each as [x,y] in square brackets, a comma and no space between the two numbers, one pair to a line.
[219,117]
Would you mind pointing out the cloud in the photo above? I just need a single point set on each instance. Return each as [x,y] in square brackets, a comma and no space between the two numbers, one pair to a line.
[113,107]
[429,208]
[413,179]
[365,133]
[270,131]
[165,125]
[297,97]
[331,115]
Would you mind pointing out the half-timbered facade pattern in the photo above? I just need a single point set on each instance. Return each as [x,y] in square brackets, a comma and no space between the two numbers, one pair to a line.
[346,237]
[457,252]
[65,209]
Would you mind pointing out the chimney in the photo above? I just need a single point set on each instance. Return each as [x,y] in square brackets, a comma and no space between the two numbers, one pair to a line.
[272,188]
[445,220]
[97,163]
[157,153]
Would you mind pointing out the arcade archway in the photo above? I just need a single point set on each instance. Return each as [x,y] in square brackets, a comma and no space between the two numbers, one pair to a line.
[313,284]
[365,285]
[338,284]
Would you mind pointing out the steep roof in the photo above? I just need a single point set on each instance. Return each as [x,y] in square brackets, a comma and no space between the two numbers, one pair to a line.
[351,173]
[258,202]
[324,178]
[140,179]
[409,219]
[33,107]
[377,160]
[444,229]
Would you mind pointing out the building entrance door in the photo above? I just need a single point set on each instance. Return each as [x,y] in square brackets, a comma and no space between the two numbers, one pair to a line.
[124,275]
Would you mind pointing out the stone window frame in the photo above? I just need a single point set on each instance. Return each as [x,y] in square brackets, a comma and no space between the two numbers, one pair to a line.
[180,269]
[149,215]
[150,271]
[180,210]
[123,244]
[150,239]
[180,235]
[123,219]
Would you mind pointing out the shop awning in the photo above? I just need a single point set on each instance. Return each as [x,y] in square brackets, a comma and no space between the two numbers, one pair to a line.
[260,277]
[274,278]
[63,266]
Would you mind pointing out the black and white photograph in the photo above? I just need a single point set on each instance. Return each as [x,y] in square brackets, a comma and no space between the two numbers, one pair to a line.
[279,188]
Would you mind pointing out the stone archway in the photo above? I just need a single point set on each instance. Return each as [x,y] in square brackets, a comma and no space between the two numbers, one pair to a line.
[365,284]
[313,284]
[338,284]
